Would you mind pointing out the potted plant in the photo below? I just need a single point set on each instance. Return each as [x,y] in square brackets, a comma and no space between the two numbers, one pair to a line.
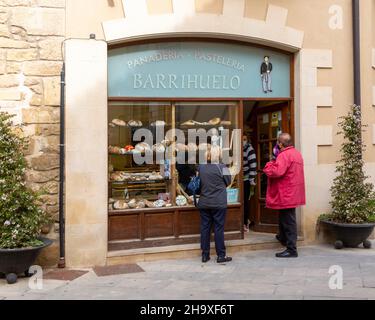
[21,219]
[352,219]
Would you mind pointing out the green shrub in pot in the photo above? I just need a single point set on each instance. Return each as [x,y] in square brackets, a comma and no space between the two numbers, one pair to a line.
[21,217]
[352,219]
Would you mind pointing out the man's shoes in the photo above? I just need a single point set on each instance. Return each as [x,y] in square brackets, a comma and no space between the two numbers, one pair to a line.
[287,254]
[205,259]
[279,239]
[223,259]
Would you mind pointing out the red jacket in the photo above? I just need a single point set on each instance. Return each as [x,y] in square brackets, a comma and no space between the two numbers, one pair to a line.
[286,181]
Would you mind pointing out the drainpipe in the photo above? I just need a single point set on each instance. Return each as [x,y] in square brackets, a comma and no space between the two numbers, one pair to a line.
[62,170]
[357,52]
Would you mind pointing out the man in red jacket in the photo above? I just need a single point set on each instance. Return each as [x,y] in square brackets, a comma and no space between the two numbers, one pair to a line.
[286,191]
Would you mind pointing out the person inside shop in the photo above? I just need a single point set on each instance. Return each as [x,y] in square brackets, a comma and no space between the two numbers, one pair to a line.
[212,204]
[286,191]
[186,171]
[249,174]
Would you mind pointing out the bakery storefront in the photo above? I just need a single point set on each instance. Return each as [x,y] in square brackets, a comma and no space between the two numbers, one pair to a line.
[166,101]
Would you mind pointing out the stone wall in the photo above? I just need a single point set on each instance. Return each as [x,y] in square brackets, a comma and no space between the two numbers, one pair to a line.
[31,37]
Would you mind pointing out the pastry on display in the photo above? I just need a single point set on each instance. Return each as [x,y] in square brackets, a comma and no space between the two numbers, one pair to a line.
[114,150]
[189,123]
[158,123]
[132,204]
[155,176]
[159,203]
[141,204]
[128,148]
[142,147]
[120,176]
[120,205]
[166,142]
[181,201]
[149,204]
[226,123]
[119,122]
[215,121]
[116,176]
[135,123]
[159,147]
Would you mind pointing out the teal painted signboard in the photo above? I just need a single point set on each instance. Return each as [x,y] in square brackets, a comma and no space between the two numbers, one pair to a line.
[198,70]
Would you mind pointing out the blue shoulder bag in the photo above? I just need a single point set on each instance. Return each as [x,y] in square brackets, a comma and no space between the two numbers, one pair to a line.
[194,187]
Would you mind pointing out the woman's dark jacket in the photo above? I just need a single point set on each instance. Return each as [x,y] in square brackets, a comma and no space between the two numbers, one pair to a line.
[214,184]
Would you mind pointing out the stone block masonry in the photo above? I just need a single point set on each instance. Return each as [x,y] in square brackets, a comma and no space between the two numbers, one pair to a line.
[31,37]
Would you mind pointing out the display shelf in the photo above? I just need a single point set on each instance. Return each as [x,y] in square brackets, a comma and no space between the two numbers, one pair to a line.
[170,209]
[139,182]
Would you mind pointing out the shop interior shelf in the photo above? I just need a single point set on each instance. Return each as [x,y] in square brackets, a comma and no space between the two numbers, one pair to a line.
[138,182]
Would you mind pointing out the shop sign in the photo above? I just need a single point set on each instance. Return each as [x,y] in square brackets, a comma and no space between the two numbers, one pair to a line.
[199,70]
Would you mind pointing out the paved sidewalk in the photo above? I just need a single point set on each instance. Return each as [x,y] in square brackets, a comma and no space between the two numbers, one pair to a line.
[252,275]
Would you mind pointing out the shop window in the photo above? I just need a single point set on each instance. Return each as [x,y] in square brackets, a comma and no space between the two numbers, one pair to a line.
[156,147]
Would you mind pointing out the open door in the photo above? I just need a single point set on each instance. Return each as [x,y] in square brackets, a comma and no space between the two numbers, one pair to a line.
[268,122]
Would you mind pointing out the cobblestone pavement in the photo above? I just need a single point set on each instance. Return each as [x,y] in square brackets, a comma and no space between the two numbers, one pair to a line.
[252,275]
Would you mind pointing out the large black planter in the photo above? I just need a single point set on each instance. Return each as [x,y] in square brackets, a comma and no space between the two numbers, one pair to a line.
[351,235]
[16,261]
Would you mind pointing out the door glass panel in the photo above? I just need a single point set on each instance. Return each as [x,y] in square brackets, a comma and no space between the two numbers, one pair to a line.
[263,122]
[264,154]
[276,124]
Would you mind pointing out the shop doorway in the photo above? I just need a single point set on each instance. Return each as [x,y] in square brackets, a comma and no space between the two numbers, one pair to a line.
[263,122]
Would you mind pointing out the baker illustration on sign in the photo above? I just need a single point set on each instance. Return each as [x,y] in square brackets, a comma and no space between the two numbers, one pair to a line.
[265,71]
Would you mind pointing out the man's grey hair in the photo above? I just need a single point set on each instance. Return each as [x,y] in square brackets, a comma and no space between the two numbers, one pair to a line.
[285,139]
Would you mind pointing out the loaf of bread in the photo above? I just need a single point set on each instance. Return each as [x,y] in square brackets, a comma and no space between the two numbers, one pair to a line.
[119,122]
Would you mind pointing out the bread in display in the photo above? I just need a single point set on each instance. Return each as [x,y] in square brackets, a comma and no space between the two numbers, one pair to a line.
[189,123]
[166,143]
[114,150]
[135,123]
[142,147]
[119,122]
[120,205]
[141,204]
[215,121]
[132,204]
[149,204]
[159,203]
[226,123]
[158,123]
[159,147]
[181,201]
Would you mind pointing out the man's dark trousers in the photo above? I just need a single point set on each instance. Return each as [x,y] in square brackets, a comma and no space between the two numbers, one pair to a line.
[288,229]
[217,218]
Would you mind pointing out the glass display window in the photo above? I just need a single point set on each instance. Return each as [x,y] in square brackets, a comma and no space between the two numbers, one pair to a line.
[136,179]
[155,148]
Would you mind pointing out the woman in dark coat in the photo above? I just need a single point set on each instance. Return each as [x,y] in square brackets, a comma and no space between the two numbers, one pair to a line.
[213,203]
